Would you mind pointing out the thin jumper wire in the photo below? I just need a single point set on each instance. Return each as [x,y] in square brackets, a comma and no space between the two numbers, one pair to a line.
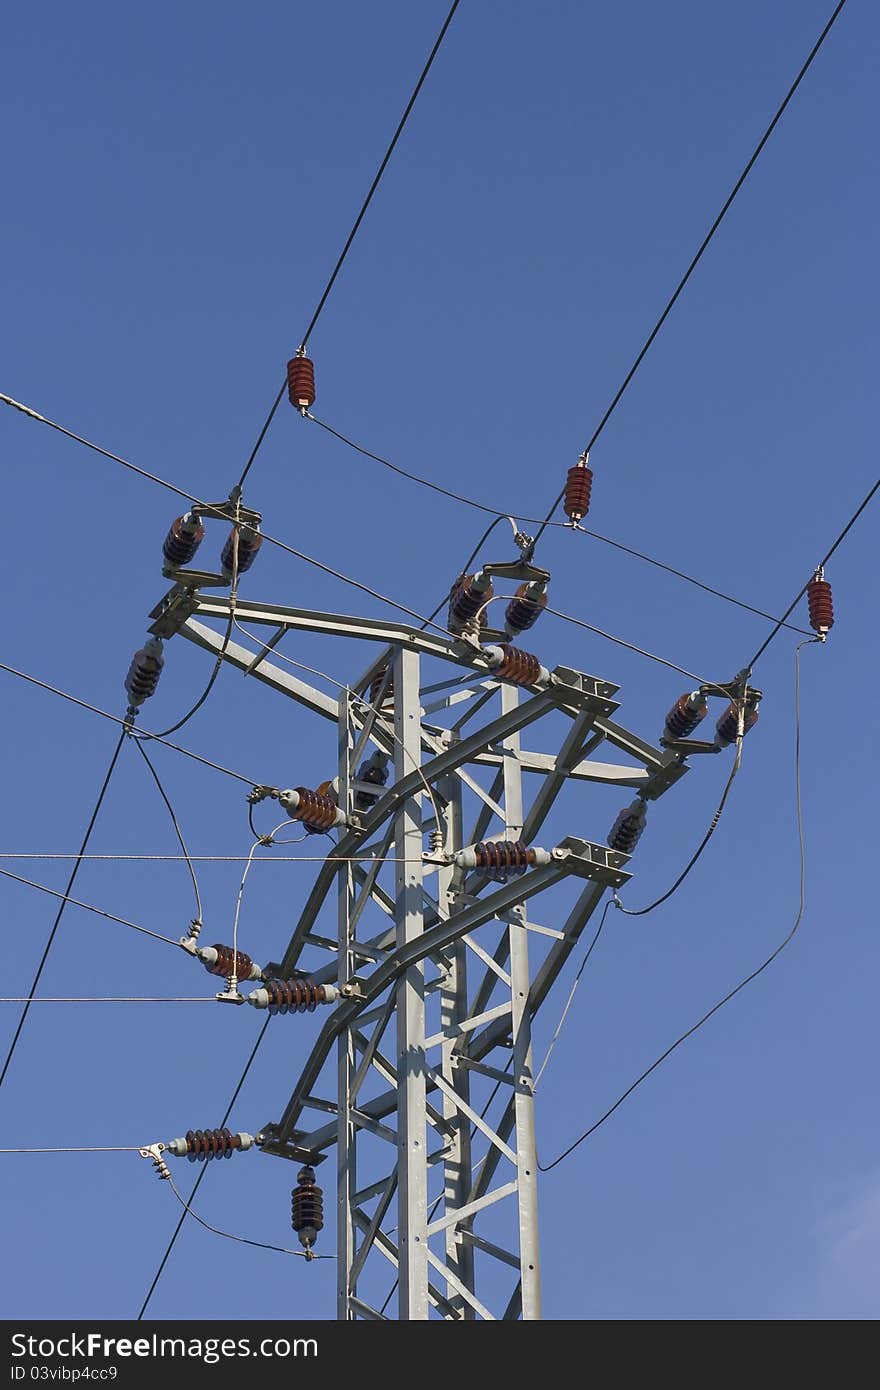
[64,900]
[703,246]
[559,525]
[755,973]
[232,858]
[115,719]
[82,1149]
[197,921]
[261,840]
[242,1240]
[208,511]
[183,1215]
[354,231]
[570,1000]
[88,907]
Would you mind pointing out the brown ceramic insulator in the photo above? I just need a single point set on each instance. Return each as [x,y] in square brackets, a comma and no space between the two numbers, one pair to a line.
[626,831]
[683,718]
[249,542]
[143,675]
[520,667]
[316,811]
[466,600]
[820,604]
[293,996]
[205,1144]
[226,957]
[307,1202]
[182,541]
[504,856]
[301,382]
[578,486]
[727,725]
[376,686]
[524,610]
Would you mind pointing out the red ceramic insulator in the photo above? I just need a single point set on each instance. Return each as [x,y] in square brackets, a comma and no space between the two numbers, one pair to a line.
[185,535]
[205,1144]
[725,729]
[226,958]
[316,810]
[249,542]
[466,598]
[522,668]
[301,382]
[578,486]
[684,717]
[504,856]
[525,609]
[293,996]
[820,604]
[307,1204]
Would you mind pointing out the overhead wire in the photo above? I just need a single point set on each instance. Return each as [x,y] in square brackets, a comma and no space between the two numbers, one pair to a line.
[198,919]
[354,230]
[65,898]
[570,1000]
[74,902]
[753,975]
[242,1240]
[805,67]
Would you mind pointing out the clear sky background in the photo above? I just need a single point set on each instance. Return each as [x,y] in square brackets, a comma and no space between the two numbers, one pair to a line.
[178,181]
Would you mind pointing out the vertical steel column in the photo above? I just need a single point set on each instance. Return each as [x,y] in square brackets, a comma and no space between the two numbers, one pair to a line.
[409,923]
[524,1102]
[346,1153]
[457,1172]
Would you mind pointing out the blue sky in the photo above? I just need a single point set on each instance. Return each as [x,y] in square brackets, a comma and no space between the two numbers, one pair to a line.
[178,183]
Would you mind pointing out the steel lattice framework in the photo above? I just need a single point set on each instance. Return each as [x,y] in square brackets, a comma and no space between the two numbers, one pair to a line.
[441,968]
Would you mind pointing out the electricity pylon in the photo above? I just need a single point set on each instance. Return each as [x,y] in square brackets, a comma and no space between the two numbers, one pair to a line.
[436,998]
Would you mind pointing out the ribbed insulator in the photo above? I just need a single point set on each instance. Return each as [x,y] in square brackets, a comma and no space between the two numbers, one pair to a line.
[504,857]
[725,729]
[626,831]
[226,958]
[685,715]
[316,811]
[820,604]
[249,542]
[293,996]
[144,672]
[185,535]
[376,685]
[307,1205]
[205,1144]
[520,667]
[578,486]
[301,382]
[524,611]
[467,596]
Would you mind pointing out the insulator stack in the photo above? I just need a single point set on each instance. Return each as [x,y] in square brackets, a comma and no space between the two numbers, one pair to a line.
[249,542]
[685,715]
[501,858]
[219,960]
[820,604]
[301,382]
[375,771]
[144,672]
[307,1208]
[626,831]
[726,728]
[511,664]
[201,1145]
[578,486]
[525,609]
[291,996]
[185,535]
[377,683]
[468,595]
[317,811]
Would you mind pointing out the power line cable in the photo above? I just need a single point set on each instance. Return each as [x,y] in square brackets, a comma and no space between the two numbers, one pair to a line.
[242,1240]
[560,525]
[703,246]
[354,231]
[164,1260]
[106,999]
[570,1000]
[64,900]
[75,902]
[748,979]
